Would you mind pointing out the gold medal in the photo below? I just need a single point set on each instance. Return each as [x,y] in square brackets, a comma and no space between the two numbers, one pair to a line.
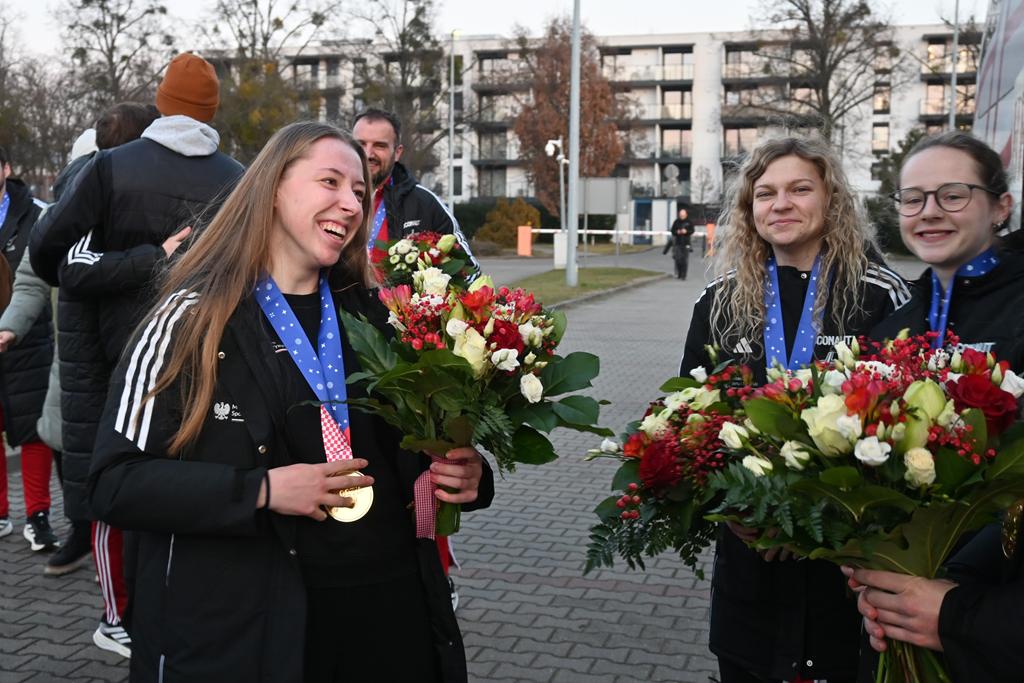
[362,497]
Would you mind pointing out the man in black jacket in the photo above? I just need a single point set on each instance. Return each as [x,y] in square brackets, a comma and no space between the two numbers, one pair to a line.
[679,242]
[24,375]
[104,243]
[400,204]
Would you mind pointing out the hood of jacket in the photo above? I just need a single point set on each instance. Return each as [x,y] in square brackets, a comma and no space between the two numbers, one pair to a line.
[404,182]
[184,135]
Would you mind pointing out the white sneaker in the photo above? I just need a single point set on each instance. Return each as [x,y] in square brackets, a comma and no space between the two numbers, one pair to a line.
[6,527]
[113,639]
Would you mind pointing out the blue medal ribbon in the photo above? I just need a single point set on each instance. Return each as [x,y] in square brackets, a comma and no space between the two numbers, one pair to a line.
[323,367]
[775,330]
[5,204]
[938,314]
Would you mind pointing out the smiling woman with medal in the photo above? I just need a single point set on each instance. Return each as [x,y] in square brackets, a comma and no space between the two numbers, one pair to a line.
[953,199]
[227,443]
[795,275]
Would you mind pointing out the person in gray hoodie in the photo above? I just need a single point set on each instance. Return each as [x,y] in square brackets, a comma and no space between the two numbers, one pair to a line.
[104,243]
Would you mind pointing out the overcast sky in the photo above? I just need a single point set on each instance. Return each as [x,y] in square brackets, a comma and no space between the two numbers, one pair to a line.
[40,33]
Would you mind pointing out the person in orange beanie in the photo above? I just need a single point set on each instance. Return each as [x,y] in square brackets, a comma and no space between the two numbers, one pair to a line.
[105,243]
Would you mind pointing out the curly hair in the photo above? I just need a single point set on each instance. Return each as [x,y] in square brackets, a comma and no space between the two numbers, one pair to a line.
[741,255]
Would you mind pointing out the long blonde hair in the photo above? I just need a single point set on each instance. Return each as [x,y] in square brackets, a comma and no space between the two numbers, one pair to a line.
[229,257]
[741,255]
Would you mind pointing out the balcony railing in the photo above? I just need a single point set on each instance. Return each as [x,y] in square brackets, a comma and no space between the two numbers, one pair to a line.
[648,72]
[502,76]
[743,70]
[662,111]
[944,65]
[497,115]
[679,149]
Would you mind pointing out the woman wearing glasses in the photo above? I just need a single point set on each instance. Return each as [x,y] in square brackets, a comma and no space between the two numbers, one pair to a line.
[952,200]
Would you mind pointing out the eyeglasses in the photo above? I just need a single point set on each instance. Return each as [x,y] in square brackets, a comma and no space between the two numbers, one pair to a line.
[951,197]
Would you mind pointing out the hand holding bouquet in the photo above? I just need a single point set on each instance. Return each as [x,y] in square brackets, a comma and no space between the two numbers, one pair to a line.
[468,363]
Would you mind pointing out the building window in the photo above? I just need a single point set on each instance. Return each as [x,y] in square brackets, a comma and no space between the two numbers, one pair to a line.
[332,67]
[740,63]
[739,141]
[493,145]
[492,182]
[459,100]
[880,103]
[935,100]
[880,137]
[675,142]
[457,146]
[676,104]
[458,70]
[332,104]
[876,170]
[457,180]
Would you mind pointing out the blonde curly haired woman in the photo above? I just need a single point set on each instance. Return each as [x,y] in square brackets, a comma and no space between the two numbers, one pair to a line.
[797,271]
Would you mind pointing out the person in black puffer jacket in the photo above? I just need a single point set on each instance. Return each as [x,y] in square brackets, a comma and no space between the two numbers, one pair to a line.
[105,243]
[24,375]
[954,199]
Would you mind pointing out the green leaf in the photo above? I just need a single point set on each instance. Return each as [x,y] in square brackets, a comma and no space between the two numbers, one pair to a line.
[951,470]
[628,473]
[571,373]
[559,323]
[375,355]
[531,447]
[844,478]
[460,430]
[773,419]
[976,419]
[1010,458]
[577,410]
[678,384]
[607,508]
[540,416]
[853,502]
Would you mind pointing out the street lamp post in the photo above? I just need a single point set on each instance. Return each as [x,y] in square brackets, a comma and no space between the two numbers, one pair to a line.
[451,125]
[551,148]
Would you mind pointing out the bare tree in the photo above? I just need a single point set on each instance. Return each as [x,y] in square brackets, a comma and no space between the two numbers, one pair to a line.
[544,114]
[825,61]
[405,74]
[263,86]
[118,47]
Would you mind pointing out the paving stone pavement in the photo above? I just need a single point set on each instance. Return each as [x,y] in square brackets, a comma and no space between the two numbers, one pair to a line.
[527,612]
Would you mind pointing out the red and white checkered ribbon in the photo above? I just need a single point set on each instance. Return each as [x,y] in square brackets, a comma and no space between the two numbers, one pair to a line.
[426,502]
[336,444]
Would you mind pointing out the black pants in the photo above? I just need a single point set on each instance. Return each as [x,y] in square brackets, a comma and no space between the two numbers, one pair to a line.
[682,263]
[731,672]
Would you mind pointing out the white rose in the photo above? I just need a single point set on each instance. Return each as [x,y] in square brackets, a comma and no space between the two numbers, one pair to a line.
[456,327]
[610,446]
[531,334]
[821,421]
[871,451]
[473,348]
[403,247]
[654,424]
[920,467]
[1012,384]
[505,359]
[530,386]
[530,357]
[832,382]
[699,374]
[849,426]
[795,454]
[733,435]
[759,466]
[431,281]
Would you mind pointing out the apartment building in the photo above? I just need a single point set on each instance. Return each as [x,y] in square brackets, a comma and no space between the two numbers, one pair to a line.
[695,104]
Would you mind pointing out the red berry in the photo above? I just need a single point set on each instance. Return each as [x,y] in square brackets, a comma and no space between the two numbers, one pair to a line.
[632,486]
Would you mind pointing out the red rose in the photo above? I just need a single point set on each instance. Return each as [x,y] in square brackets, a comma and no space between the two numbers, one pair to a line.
[975,362]
[977,391]
[659,466]
[506,336]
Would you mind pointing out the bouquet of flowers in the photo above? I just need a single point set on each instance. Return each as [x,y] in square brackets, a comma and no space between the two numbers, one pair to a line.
[661,487]
[467,364]
[884,462]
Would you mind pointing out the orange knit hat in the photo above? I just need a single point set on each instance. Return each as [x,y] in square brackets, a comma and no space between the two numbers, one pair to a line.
[190,87]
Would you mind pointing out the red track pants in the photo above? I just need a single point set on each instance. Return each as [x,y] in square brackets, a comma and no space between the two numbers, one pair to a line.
[108,550]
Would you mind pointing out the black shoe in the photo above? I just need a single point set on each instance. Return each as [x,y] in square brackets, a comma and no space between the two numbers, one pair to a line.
[73,553]
[38,532]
